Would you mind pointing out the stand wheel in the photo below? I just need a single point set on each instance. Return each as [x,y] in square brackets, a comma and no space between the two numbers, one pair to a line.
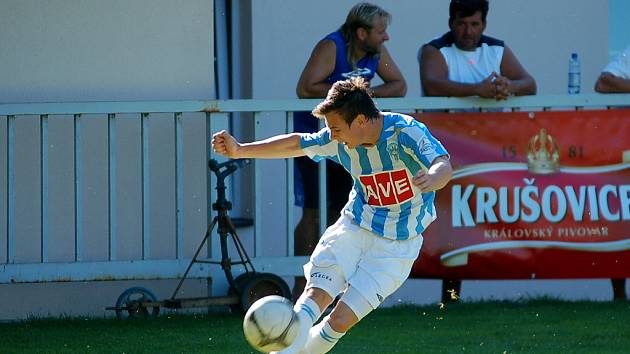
[254,286]
[132,304]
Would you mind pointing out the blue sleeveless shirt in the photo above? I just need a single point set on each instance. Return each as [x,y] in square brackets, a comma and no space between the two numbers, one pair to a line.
[304,122]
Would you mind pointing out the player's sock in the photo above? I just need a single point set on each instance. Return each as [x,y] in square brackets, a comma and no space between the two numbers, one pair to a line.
[308,312]
[322,338]
[309,307]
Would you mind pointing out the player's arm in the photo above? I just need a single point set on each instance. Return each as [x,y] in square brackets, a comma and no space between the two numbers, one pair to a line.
[435,81]
[279,146]
[394,84]
[514,79]
[320,65]
[436,177]
[609,83]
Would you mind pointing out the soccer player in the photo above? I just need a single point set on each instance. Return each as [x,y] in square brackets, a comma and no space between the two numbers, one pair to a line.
[396,165]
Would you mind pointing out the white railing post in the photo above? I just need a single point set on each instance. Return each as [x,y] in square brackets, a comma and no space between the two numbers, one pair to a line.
[43,158]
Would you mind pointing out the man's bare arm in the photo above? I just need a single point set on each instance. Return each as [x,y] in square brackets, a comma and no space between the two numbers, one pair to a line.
[394,84]
[514,79]
[279,146]
[320,65]
[436,177]
[609,83]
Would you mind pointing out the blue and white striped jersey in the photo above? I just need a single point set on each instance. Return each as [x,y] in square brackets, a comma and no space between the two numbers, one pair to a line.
[383,199]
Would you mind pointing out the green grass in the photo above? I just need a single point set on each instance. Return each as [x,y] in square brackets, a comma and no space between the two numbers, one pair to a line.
[535,326]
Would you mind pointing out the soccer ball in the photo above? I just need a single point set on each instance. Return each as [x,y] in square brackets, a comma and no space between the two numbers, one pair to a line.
[270,324]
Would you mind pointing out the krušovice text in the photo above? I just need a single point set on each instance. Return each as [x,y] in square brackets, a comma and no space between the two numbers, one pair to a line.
[531,203]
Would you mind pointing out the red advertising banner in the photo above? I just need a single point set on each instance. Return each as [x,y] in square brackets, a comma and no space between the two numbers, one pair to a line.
[542,195]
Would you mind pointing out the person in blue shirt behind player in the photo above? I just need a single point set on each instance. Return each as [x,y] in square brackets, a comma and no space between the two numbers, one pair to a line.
[396,166]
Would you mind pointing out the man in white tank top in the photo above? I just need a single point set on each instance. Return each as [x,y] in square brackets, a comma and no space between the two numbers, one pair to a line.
[464,62]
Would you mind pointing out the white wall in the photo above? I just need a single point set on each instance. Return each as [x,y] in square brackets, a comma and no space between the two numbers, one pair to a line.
[618,27]
[541,33]
[91,50]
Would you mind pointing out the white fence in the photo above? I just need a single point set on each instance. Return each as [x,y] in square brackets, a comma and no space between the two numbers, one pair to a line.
[119,190]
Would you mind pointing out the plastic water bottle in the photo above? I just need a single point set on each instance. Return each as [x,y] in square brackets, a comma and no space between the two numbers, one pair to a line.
[574,74]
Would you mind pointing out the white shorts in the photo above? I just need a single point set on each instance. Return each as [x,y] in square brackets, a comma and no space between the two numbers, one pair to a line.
[348,255]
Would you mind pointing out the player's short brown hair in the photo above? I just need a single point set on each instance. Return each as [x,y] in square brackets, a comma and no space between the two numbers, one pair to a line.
[349,98]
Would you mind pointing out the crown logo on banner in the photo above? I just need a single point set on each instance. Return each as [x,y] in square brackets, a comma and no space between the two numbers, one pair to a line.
[543,155]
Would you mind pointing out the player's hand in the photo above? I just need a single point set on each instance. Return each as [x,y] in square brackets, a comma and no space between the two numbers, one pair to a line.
[424,181]
[223,143]
[487,87]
